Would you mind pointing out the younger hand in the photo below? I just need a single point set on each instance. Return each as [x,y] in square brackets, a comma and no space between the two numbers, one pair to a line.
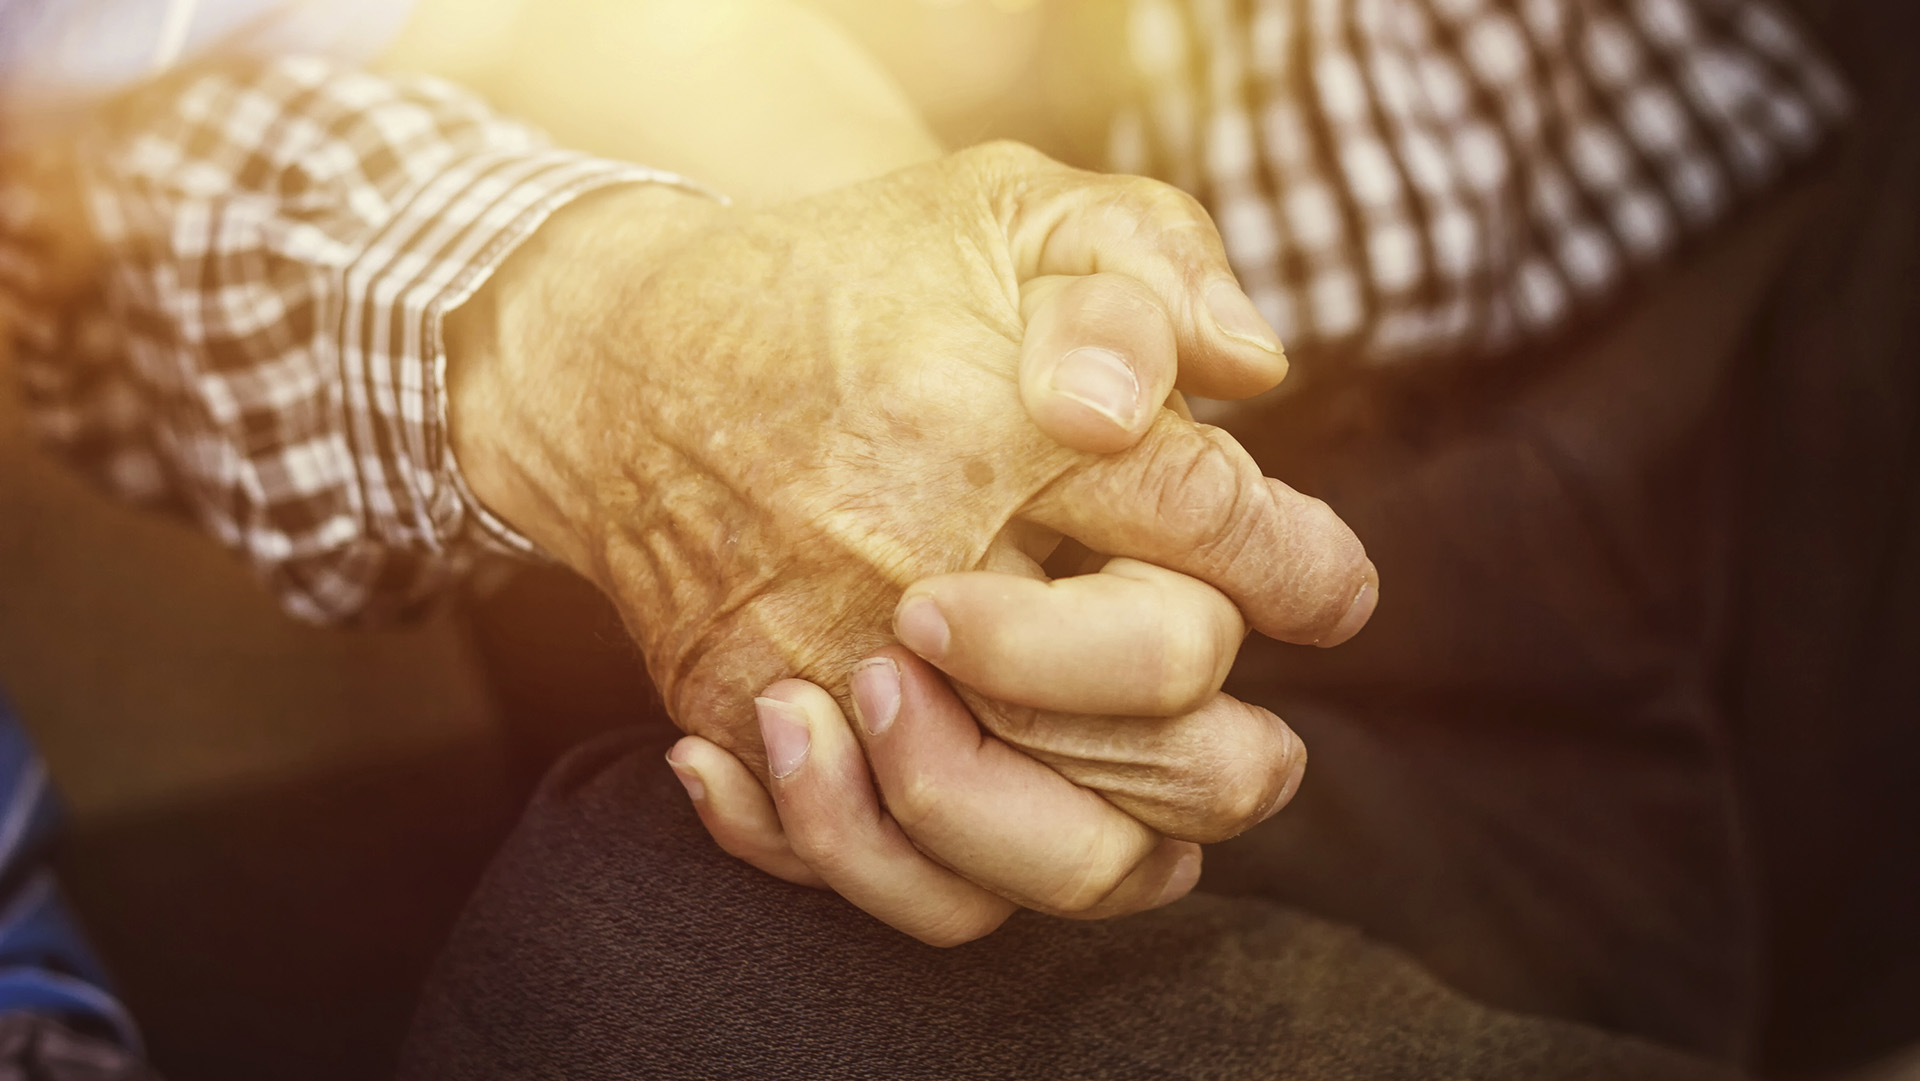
[879,828]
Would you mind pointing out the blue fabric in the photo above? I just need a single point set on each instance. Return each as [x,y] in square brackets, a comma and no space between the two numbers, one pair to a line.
[46,966]
[58,57]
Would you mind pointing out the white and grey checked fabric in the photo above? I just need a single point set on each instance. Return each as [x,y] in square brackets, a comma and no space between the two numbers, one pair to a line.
[263,347]
[1403,181]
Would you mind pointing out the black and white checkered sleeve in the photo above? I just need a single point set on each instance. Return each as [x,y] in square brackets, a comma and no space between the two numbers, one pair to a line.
[1402,182]
[280,243]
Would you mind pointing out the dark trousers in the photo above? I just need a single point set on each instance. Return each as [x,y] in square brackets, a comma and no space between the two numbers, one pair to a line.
[611,939]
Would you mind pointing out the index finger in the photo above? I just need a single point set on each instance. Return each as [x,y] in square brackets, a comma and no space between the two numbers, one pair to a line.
[1131,639]
[1190,499]
[998,817]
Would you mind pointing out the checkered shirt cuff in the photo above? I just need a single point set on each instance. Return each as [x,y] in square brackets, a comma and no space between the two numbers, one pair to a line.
[279,244]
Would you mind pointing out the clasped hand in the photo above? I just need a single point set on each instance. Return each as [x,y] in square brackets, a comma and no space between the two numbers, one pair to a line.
[783,440]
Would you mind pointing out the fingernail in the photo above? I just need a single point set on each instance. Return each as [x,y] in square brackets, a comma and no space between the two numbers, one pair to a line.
[783,729]
[1101,381]
[1235,315]
[689,779]
[922,628]
[1186,874]
[876,694]
[1358,612]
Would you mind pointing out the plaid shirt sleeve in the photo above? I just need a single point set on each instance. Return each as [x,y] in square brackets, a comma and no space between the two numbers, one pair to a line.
[1405,183]
[1400,183]
[262,348]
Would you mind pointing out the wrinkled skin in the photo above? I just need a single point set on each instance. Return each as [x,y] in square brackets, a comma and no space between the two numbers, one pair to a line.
[754,430]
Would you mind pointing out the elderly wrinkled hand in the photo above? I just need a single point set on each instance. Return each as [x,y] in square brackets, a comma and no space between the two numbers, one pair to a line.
[772,435]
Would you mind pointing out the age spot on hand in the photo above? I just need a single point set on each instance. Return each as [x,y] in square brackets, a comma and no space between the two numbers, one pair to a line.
[978,473]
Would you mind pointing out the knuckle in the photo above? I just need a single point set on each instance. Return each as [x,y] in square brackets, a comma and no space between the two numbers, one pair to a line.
[1240,800]
[1005,156]
[963,923]
[1247,514]
[913,800]
[1089,882]
[1331,566]
[750,849]
[1165,204]
[1197,491]
[1175,223]
[1103,298]
[1189,664]
[1242,776]
[1015,724]
[820,846]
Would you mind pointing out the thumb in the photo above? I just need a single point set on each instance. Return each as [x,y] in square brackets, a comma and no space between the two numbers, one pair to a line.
[1097,362]
[1067,222]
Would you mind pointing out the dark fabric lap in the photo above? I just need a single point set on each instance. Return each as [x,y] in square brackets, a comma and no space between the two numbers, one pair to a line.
[1519,770]
[1826,679]
[613,939]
